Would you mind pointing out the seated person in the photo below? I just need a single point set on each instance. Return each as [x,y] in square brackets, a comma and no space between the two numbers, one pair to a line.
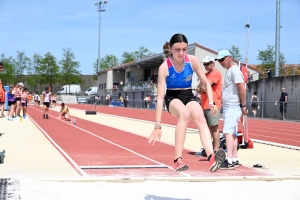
[64,112]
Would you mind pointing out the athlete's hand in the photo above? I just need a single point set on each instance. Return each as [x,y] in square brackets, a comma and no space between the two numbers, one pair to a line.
[155,136]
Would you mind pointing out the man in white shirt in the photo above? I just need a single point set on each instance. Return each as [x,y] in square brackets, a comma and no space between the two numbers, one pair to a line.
[233,103]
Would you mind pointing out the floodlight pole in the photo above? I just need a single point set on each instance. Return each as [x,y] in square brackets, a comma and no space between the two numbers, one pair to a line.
[277,40]
[101,7]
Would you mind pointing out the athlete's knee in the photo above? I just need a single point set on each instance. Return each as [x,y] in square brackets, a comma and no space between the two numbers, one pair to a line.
[185,115]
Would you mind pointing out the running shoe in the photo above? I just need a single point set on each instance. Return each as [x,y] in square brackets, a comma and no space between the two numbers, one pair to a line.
[245,145]
[201,153]
[236,163]
[226,165]
[180,166]
[216,160]
[74,121]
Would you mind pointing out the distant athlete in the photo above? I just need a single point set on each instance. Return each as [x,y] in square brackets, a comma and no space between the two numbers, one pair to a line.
[46,97]
[65,112]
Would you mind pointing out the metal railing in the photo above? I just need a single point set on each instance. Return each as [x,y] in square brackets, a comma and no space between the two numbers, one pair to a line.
[283,71]
[266,109]
[275,110]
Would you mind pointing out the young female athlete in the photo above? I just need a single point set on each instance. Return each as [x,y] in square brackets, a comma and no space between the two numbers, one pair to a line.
[175,73]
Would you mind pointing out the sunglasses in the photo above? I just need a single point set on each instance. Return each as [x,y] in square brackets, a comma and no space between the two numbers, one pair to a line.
[206,64]
[221,60]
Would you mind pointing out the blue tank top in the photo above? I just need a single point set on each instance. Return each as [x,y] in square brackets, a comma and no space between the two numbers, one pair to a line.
[181,79]
[10,97]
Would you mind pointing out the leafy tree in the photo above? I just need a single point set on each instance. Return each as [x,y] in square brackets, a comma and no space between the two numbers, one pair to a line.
[142,52]
[33,78]
[69,68]
[7,76]
[127,57]
[235,52]
[109,61]
[95,66]
[48,72]
[21,65]
[268,56]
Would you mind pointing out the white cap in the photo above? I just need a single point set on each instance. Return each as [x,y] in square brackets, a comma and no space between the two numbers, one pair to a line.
[208,59]
[21,84]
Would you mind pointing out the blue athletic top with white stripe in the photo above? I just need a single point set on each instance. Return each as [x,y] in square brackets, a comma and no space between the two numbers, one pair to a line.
[181,79]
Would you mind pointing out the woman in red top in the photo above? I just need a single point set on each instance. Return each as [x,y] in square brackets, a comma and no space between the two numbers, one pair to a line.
[2,102]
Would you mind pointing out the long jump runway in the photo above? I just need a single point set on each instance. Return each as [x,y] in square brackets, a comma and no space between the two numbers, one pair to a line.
[95,150]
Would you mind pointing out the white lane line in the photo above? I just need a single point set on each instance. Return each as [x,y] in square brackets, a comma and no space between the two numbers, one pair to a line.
[123,166]
[77,168]
[140,155]
[192,131]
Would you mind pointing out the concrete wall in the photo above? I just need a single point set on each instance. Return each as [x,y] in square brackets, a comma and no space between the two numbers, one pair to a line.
[269,91]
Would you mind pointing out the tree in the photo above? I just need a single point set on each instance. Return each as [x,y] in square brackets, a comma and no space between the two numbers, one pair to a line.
[268,56]
[48,72]
[69,68]
[127,57]
[95,66]
[21,65]
[8,74]
[33,78]
[142,52]
[109,61]
[235,52]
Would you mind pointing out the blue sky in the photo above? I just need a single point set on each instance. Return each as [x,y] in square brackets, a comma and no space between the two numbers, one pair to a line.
[40,26]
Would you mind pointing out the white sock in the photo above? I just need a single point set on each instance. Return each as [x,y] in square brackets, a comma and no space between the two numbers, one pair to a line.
[229,160]
[234,159]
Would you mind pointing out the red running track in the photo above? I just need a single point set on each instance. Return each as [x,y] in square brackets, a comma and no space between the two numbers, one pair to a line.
[93,144]
[283,132]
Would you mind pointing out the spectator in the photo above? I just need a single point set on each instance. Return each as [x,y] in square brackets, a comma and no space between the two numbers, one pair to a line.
[214,77]
[283,103]
[121,100]
[250,78]
[233,102]
[269,72]
[254,103]
[121,85]
[107,98]
[2,101]
[126,101]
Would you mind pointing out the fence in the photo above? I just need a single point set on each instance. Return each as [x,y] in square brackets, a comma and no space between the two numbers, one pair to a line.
[266,109]
[130,103]
[288,70]
[276,110]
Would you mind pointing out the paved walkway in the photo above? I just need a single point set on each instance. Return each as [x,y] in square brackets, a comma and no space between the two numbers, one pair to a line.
[45,174]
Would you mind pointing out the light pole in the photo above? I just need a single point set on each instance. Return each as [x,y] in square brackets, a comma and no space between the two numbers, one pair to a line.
[101,7]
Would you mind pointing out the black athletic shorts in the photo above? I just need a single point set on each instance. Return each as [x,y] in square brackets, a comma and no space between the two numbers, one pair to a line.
[47,104]
[11,103]
[185,96]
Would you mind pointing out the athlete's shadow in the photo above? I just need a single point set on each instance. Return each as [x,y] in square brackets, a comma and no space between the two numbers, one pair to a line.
[201,158]
[154,197]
